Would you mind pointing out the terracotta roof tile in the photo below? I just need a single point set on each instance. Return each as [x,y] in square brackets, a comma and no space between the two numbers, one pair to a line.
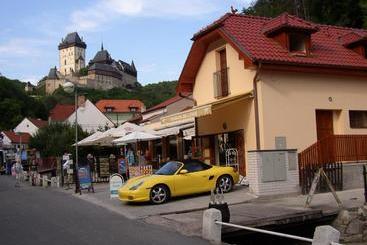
[327,50]
[165,103]
[288,21]
[119,105]
[16,138]
[38,122]
[61,112]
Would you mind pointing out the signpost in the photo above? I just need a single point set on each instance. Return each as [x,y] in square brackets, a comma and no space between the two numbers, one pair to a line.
[116,182]
[85,179]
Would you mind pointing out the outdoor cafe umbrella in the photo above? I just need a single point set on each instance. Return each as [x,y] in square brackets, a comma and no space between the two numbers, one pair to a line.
[135,137]
[90,139]
[106,138]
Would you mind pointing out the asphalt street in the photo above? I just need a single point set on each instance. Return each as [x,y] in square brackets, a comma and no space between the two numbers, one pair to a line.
[33,215]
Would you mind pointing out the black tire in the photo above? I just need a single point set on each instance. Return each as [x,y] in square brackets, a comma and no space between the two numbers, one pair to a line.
[225,182]
[159,194]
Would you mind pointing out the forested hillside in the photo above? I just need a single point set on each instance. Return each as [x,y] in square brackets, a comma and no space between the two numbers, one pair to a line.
[15,103]
[350,13]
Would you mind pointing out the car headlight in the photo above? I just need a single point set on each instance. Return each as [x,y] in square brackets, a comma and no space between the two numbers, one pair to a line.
[136,186]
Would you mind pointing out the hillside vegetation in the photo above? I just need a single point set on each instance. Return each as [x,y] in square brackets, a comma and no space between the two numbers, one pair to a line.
[15,103]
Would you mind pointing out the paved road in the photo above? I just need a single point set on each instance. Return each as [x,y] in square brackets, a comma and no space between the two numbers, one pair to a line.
[33,215]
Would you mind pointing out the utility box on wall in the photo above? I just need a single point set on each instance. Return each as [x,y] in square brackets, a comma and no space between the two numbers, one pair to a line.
[273,172]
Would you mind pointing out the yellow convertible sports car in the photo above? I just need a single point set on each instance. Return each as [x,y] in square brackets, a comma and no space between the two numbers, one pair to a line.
[178,179]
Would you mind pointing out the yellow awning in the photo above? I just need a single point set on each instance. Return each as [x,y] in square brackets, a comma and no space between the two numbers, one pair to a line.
[203,110]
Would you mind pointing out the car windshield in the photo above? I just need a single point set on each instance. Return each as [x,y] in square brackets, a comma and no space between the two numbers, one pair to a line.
[169,168]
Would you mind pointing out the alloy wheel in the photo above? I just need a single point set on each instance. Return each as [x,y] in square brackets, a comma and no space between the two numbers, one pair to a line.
[158,194]
[225,183]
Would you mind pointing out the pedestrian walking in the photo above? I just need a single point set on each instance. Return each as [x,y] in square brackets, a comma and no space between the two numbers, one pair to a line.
[18,169]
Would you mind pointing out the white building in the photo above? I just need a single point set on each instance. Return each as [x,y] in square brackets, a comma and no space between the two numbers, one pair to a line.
[30,125]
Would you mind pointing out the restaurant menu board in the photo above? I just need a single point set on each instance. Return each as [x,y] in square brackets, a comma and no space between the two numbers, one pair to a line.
[84,177]
[104,168]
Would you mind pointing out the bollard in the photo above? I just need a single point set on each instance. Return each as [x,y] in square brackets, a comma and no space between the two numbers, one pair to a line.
[212,231]
[44,181]
[53,181]
[325,234]
[57,181]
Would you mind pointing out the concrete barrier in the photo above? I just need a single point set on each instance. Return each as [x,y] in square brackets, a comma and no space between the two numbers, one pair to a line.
[325,235]
[212,231]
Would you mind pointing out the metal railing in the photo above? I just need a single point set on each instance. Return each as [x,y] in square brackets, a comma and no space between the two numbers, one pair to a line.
[299,238]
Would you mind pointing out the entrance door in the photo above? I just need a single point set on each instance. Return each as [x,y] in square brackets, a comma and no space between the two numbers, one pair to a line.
[324,123]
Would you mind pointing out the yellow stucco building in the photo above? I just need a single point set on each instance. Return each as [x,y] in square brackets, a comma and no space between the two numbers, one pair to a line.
[262,83]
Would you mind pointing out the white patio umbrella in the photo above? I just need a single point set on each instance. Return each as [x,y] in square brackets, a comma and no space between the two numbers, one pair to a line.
[131,127]
[89,140]
[136,136]
[106,138]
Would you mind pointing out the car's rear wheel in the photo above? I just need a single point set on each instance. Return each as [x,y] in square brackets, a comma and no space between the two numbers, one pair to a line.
[159,194]
[225,183]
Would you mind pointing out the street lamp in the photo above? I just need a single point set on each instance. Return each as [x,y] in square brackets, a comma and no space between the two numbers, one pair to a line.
[69,87]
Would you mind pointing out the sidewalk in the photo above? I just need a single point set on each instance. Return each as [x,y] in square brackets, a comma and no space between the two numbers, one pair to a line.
[186,204]
[266,211]
[184,215]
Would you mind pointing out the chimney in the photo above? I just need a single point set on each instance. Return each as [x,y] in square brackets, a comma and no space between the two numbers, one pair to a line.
[81,101]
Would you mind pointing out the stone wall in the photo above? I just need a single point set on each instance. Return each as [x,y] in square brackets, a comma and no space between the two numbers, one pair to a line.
[352,225]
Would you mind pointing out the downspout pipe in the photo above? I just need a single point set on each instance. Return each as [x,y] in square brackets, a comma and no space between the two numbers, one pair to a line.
[256,107]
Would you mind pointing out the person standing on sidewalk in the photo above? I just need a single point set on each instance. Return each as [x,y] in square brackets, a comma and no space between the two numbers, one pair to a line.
[18,168]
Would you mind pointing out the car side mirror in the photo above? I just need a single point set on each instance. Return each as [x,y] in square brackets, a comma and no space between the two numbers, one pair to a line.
[183,171]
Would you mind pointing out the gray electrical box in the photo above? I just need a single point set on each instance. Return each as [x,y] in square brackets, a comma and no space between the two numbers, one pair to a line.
[274,166]
[292,160]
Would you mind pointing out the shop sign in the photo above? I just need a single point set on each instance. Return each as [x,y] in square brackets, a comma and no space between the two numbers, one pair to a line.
[193,113]
[84,176]
[116,182]
[135,171]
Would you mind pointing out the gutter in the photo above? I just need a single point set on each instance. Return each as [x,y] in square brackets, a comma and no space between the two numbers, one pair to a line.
[256,107]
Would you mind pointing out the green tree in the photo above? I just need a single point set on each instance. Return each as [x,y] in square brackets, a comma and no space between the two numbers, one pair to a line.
[350,13]
[15,104]
[55,139]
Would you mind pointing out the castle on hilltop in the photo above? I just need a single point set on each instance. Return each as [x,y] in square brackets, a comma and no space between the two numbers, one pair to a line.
[102,72]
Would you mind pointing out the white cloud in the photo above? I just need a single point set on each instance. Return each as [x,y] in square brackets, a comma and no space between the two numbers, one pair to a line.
[93,17]
[22,47]
[146,68]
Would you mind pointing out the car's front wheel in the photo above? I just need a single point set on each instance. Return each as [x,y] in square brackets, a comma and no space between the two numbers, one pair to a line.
[159,194]
[225,183]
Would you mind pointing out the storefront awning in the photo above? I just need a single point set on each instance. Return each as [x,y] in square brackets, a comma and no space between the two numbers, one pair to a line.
[176,130]
[203,110]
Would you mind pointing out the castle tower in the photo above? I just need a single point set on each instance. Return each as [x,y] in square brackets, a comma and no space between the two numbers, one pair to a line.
[71,54]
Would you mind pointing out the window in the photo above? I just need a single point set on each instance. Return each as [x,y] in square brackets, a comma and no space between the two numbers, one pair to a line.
[65,62]
[297,42]
[193,165]
[133,109]
[221,88]
[358,119]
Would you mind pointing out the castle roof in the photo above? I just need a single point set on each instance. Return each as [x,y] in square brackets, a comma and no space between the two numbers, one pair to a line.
[72,39]
[103,57]
[52,74]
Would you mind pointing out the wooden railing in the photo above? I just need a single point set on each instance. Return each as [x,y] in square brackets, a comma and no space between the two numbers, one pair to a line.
[335,148]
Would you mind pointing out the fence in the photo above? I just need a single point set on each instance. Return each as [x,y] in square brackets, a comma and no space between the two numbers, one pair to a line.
[334,171]
[335,148]
[47,164]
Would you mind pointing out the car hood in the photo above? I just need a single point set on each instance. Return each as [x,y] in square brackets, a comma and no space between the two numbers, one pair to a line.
[145,178]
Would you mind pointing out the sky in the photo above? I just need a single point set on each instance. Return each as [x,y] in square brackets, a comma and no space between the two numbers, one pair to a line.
[154,33]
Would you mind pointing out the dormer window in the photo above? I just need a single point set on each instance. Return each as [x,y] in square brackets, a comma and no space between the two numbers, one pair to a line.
[297,42]
[291,32]
[355,41]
